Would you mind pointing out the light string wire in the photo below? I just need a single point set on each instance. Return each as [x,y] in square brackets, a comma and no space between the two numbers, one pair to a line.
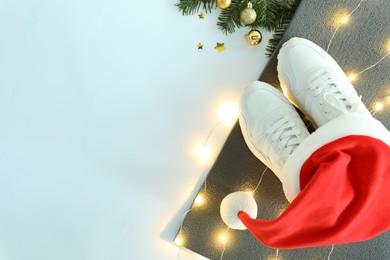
[180,230]
[261,178]
[374,65]
[373,111]
[252,192]
[277,253]
[330,253]
[204,146]
[178,236]
[276,256]
[337,28]
[341,23]
[224,242]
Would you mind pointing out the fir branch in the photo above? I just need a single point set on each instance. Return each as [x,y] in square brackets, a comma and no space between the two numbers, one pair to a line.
[188,7]
[268,13]
[284,21]
[229,19]
[287,4]
[272,15]
[277,36]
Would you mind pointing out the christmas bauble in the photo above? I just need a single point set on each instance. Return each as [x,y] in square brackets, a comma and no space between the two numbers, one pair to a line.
[223,4]
[254,37]
[248,15]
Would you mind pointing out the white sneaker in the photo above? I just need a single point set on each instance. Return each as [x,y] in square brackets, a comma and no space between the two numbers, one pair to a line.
[313,81]
[271,126]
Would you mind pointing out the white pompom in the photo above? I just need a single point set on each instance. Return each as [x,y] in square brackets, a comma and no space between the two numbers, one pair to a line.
[232,204]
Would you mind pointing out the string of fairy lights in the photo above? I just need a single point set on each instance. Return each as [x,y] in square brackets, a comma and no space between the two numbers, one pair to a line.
[343,21]
[229,114]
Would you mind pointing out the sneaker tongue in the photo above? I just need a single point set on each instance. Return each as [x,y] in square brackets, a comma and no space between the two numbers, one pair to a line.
[336,103]
[292,147]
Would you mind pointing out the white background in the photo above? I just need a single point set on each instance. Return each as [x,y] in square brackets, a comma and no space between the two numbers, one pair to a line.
[101,105]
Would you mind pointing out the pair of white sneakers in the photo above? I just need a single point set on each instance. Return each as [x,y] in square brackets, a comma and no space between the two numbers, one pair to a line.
[311,80]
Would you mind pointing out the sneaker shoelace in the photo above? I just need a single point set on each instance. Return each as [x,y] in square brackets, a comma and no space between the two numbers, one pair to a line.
[324,83]
[285,133]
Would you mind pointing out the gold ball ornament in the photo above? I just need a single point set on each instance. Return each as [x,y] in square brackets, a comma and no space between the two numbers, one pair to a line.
[223,4]
[254,37]
[248,15]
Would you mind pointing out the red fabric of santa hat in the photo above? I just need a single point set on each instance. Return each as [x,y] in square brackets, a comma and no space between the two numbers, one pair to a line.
[338,180]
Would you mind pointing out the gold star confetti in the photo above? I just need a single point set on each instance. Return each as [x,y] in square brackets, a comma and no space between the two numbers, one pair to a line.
[201,16]
[220,47]
[200,46]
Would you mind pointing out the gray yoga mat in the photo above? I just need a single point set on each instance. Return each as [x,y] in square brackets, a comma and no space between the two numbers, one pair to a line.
[356,46]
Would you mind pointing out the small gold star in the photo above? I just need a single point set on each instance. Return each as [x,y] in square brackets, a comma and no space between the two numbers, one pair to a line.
[220,47]
[200,46]
[201,16]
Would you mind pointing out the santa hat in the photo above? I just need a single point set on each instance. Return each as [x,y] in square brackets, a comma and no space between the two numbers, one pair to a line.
[338,182]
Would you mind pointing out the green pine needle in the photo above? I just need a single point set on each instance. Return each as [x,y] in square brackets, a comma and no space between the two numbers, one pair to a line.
[272,15]
[188,7]
[276,38]
[284,21]
[229,19]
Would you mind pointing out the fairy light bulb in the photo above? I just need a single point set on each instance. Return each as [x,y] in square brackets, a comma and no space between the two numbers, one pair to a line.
[228,113]
[199,200]
[344,20]
[387,45]
[352,77]
[378,106]
[204,152]
[179,241]
[224,239]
